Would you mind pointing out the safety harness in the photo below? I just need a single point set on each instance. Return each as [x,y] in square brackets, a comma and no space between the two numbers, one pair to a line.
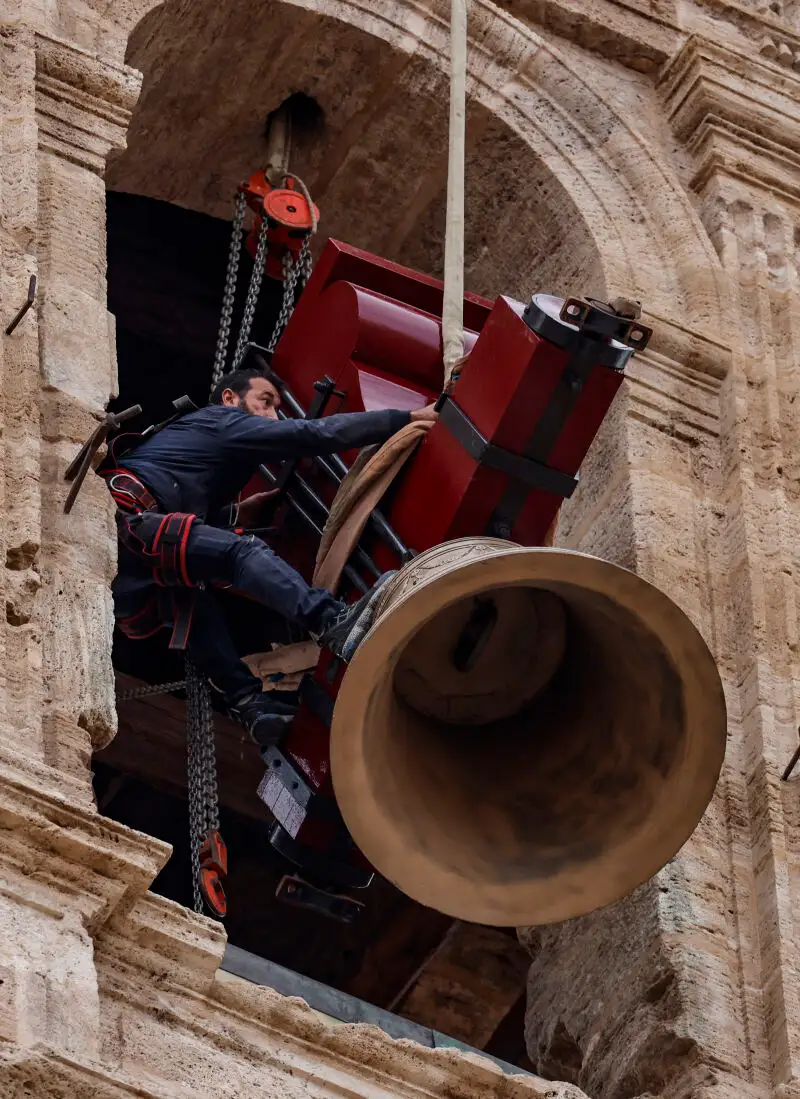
[285,220]
[158,540]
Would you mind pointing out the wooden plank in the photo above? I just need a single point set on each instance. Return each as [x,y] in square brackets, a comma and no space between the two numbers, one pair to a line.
[469,985]
[151,746]
[397,953]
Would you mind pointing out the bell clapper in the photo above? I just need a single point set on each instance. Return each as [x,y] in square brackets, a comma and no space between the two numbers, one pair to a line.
[476,633]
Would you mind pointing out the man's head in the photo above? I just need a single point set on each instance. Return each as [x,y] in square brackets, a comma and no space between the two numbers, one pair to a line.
[253,389]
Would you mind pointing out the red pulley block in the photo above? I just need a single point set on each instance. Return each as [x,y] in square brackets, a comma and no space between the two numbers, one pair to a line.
[289,219]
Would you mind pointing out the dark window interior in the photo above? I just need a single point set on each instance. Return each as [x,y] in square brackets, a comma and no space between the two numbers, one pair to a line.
[165,283]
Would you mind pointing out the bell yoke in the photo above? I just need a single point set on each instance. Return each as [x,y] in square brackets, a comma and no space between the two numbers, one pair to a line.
[173,490]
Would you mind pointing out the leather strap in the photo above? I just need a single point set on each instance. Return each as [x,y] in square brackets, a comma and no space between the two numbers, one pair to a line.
[357,498]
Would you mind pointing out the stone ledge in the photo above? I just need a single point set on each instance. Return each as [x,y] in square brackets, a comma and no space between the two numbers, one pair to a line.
[155,935]
[59,854]
[158,962]
[709,83]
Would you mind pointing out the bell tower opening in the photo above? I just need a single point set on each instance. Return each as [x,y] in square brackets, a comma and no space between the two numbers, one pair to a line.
[368,126]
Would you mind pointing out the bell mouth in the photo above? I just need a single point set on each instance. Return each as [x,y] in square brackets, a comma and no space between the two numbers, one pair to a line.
[573,747]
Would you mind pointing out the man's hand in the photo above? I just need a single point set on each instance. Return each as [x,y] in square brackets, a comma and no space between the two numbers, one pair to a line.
[251,508]
[425,415]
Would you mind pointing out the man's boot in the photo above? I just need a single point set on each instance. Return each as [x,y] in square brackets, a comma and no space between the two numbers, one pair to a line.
[345,631]
[266,719]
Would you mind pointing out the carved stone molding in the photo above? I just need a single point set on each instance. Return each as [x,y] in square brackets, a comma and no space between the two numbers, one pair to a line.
[737,114]
[160,991]
[57,855]
[83,104]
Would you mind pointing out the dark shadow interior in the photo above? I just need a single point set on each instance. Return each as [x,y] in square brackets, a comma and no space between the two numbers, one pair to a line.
[165,282]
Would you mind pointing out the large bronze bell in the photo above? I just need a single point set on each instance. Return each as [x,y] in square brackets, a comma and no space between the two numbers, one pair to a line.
[525,734]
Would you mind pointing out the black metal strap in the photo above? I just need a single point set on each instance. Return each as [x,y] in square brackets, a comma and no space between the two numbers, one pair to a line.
[545,435]
[524,471]
[317,864]
[323,391]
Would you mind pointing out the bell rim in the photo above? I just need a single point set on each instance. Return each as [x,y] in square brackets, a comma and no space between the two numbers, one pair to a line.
[512,904]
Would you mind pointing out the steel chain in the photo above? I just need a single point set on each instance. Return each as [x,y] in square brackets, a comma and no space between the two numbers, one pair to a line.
[226,317]
[306,262]
[295,273]
[203,791]
[201,770]
[151,689]
[253,291]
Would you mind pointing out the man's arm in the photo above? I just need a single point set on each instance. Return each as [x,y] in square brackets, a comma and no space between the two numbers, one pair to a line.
[265,438]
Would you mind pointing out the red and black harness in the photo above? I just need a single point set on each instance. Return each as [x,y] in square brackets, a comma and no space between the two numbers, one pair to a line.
[159,541]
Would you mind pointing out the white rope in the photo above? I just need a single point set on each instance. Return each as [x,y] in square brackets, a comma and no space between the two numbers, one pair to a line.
[279,143]
[453,302]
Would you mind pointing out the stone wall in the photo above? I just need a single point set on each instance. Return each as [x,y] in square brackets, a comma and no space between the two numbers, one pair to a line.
[647,148]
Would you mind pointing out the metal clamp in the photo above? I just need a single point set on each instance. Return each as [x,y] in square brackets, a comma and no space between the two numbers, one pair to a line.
[613,322]
[526,471]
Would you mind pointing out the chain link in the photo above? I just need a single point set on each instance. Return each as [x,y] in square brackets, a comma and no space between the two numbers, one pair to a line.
[151,689]
[203,792]
[306,262]
[201,770]
[253,290]
[295,274]
[226,317]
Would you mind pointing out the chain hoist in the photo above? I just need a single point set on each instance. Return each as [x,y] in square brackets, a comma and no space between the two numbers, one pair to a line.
[285,219]
[208,852]
[280,239]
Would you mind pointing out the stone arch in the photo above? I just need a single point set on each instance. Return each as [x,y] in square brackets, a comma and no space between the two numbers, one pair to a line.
[633,209]
[615,194]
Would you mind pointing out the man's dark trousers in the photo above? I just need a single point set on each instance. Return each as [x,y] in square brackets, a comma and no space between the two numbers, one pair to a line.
[217,557]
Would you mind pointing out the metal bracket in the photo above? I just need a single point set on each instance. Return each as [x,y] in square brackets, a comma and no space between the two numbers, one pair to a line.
[600,319]
[25,307]
[81,464]
[523,470]
[284,792]
[328,869]
[300,894]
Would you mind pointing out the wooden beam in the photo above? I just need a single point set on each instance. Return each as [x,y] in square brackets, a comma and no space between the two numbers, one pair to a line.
[151,746]
[508,1041]
[469,985]
[397,952]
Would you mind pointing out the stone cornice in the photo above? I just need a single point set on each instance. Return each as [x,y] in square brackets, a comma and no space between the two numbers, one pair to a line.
[628,33]
[158,936]
[697,352]
[706,78]
[759,27]
[739,114]
[159,958]
[256,1025]
[384,1073]
[58,856]
[83,104]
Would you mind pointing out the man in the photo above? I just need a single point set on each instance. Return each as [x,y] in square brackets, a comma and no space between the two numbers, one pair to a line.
[174,492]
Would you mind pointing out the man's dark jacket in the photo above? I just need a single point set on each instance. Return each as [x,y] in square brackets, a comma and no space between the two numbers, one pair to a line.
[200,463]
